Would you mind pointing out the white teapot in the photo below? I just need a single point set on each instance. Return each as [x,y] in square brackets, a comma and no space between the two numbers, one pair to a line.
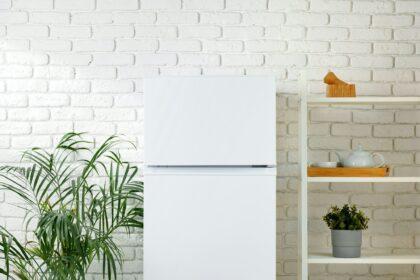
[360,158]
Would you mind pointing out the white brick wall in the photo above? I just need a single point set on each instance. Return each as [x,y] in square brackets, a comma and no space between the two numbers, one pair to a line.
[79,65]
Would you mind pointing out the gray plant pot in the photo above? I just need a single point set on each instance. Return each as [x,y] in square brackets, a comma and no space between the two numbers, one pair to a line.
[346,243]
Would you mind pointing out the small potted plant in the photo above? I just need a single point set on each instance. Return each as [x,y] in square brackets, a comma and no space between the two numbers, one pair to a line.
[346,226]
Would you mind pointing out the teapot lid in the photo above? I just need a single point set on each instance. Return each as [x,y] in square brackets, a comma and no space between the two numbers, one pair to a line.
[360,151]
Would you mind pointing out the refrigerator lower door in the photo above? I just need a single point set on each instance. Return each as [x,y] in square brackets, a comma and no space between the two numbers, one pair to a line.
[210,226]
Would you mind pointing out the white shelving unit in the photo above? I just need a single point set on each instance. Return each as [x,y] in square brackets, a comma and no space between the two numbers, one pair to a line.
[365,100]
[369,259]
[306,257]
[364,180]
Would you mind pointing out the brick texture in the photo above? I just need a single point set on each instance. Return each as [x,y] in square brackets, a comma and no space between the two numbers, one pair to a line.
[79,65]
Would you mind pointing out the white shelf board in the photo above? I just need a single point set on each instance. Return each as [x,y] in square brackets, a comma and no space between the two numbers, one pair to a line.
[364,100]
[368,259]
[364,179]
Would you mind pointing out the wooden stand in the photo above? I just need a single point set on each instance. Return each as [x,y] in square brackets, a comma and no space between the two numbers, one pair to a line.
[338,88]
[341,91]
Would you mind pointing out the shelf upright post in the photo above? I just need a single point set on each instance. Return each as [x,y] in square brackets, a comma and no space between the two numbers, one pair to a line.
[303,189]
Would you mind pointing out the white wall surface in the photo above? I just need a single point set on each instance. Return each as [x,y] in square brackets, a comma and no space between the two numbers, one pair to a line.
[79,64]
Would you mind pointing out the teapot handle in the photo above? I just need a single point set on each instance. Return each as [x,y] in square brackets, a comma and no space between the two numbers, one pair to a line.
[382,159]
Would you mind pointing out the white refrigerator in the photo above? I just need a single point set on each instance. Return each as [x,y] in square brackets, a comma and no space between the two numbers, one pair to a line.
[210,178]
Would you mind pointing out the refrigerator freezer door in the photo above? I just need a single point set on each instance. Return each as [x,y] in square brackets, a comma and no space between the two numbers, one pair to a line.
[210,121]
[209,227]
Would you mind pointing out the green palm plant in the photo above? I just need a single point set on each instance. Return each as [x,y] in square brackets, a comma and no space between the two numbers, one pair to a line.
[78,200]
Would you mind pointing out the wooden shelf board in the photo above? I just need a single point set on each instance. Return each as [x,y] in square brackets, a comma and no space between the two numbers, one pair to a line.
[364,179]
[364,259]
[364,100]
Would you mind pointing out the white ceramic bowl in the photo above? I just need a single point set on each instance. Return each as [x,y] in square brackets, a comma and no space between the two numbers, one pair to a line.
[326,164]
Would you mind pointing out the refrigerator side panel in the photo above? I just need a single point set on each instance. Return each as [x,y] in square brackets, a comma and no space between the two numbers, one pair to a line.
[203,227]
[210,121]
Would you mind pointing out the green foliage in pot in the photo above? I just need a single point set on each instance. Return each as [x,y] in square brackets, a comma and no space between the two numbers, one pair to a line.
[346,218]
[78,199]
